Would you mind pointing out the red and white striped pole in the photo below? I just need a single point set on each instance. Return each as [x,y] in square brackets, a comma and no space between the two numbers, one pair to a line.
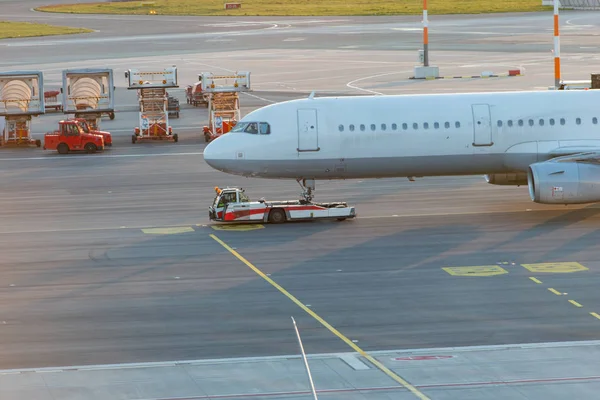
[425,36]
[556,47]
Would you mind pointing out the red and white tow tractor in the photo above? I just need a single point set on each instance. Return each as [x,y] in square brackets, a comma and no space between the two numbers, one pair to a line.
[233,205]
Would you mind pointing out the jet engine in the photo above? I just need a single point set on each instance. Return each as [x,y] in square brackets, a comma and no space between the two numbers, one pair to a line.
[517,178]
[565,180]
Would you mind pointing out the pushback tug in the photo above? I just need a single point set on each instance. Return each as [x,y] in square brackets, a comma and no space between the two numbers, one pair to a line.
[233,205]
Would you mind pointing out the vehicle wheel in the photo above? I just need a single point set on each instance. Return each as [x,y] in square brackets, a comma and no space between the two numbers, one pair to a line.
[133,139]
[62,148]
[111,115]
[38,143]
[90,148]
[175,138]
[277,216]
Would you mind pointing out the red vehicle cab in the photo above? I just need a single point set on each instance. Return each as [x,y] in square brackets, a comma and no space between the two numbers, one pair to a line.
[87,128]
[70,136]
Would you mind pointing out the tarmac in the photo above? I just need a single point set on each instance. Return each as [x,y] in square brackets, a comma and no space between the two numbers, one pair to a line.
[110,269]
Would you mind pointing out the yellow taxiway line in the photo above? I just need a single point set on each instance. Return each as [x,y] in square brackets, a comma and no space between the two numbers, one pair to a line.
[337,333]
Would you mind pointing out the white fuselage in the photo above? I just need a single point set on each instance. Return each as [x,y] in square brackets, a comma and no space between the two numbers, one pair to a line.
[410,135]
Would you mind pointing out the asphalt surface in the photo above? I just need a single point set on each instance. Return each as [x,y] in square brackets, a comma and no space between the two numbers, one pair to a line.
[84,282]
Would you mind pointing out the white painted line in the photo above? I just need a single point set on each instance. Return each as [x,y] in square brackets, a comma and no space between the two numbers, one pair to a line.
[354,362]
[352,86]
[88,157]
[258,97]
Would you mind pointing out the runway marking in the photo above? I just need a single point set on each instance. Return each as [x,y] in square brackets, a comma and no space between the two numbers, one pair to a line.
[258,97]
[373,361]
[238,227]
[595,315]
[484,270]
[168,231]
[556,292]
[535,280]
[576,304]
[352,86]
[558,267]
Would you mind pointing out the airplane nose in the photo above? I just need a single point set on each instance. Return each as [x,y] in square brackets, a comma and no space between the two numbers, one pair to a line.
[216,154]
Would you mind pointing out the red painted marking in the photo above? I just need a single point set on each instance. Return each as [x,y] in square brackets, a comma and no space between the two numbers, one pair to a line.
[421,358]
[232,216]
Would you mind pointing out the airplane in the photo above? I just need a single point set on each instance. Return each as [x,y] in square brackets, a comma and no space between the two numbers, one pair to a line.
[547,140]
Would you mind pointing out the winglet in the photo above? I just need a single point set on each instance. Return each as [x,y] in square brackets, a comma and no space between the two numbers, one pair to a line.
[312,95]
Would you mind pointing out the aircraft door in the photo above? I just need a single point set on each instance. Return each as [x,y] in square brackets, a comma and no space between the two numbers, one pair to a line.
[308,132]
[482,125]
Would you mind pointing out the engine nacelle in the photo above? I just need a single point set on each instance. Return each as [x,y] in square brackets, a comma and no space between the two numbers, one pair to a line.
[512,179]
[564,182]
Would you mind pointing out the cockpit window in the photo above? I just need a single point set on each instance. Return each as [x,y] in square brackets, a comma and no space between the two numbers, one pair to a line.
[253,128]
[265,129]
[240,127]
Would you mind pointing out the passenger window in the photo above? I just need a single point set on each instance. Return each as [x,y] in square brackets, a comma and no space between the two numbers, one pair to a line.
[252,128]
[373,127]
[265,129]
[362,127]
[394,127]
[405,126]
[552,121]
[594,120]
[341,128]
[457,124]
[436,125]
[499,124]
[426,125]
[520,122]
[509,122]
[415,126]
[531,122]
[562,121]
[541,122]
[447,125]
[351,127]
[578,121]
[383,127]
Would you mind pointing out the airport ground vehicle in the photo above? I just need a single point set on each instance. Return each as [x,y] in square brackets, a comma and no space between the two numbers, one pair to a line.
[70,136]
[154,103]
[173,106]
[21,98]
[194,94]
[83,123]
[52,100]
[232,205]
[223,101]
